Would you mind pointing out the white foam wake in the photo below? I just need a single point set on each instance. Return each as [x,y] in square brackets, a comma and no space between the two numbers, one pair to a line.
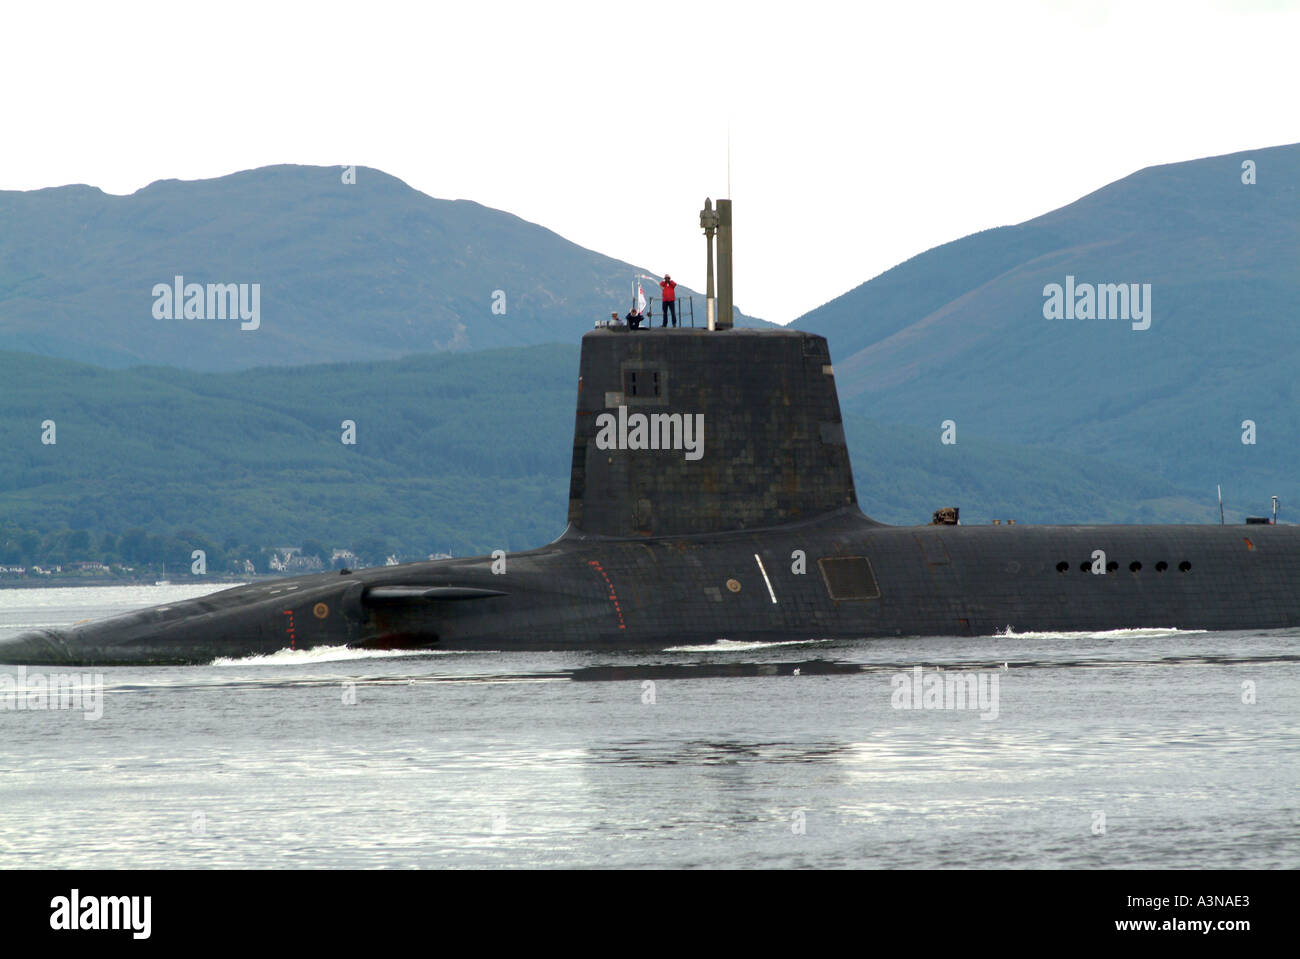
[1145,632]
[736,645]
[323,654]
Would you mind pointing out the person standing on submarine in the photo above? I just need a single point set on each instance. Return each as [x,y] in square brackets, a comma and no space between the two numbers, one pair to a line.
[669,299]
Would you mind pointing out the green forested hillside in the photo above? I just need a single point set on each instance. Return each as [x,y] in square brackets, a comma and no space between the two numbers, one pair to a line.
[442,443]
[454,453]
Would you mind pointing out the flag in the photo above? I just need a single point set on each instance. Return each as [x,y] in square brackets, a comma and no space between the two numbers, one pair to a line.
[640,298]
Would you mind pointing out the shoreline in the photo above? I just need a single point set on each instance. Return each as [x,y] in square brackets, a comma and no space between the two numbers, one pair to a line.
[50,582]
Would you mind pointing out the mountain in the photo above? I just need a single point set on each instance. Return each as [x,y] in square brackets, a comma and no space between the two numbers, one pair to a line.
[459,453]
[959,332]
[1080,420]
[346,271]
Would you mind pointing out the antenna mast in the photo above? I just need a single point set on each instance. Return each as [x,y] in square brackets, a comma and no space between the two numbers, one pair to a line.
[709,223]
[728,159]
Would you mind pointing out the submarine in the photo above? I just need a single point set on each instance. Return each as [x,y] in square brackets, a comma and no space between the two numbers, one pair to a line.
[710,497]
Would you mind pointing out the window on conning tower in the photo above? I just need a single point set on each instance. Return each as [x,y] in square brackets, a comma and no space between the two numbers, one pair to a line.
[641,383]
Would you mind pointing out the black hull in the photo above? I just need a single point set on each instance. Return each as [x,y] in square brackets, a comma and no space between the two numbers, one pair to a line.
[584,593]
[744,528]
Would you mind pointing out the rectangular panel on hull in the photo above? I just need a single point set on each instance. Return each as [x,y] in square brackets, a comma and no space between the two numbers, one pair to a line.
[849,577]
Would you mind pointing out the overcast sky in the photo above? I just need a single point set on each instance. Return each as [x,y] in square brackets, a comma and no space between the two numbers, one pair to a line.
[861,134]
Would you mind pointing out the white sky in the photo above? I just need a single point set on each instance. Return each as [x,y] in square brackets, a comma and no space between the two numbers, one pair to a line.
[861,134]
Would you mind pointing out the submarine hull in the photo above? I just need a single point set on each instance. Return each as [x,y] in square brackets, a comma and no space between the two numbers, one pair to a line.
[842,577]
[711,497]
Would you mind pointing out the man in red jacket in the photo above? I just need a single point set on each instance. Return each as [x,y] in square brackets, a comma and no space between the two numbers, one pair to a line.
[669,299]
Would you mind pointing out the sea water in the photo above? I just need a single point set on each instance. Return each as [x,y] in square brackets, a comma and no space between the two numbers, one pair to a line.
[1146,748]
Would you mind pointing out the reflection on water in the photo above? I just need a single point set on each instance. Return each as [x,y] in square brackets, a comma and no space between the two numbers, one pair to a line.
[696,753]
[788,755]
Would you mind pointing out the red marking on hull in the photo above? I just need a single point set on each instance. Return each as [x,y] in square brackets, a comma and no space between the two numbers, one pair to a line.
[289,628]
[613,596]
